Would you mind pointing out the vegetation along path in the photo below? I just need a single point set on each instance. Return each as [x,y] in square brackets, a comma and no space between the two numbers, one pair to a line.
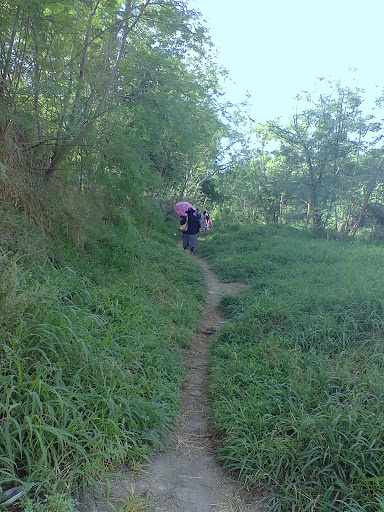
[186,478]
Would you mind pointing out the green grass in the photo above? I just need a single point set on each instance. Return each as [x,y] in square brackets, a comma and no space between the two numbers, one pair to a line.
[91,361]
[91,355]
[296,375]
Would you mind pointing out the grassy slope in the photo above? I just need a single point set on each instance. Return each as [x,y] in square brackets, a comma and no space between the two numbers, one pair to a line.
[296,376]
[90,351]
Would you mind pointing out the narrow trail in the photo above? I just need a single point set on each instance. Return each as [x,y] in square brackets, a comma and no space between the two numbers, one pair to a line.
[186,478]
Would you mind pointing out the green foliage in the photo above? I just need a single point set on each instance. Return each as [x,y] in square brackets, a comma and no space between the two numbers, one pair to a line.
[55,502]
[296,375]
[134,503]
[94,116]
[320,170]
[91,352]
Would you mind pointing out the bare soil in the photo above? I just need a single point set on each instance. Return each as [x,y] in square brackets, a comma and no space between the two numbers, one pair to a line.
[186,478]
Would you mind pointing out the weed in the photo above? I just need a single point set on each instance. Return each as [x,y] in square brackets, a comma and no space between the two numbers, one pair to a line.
[135,503]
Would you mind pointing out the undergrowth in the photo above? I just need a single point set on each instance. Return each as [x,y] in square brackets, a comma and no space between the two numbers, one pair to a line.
[91,345]
[297,374]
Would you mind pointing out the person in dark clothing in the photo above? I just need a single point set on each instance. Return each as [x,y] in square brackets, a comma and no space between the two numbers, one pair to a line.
[198,215]
[190,236]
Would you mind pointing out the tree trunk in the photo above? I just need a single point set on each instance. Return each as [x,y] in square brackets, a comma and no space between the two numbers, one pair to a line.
[308,214]
[281,209]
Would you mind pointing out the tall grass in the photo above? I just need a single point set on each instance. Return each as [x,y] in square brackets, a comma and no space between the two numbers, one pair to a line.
[90,351]
[297,374]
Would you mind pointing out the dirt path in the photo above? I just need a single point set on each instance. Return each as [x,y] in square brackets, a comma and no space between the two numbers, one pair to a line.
[186,478]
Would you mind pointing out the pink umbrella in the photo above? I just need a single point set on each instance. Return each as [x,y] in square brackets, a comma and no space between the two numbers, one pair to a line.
[182,207]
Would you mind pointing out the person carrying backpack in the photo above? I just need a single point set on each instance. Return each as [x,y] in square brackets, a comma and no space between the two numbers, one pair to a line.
[190,236]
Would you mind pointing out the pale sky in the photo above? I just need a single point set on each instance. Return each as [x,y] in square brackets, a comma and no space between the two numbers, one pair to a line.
[276,48]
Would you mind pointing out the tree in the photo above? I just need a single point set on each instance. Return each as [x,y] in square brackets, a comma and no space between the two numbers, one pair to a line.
[107,92]
[377,176]
[321,143]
